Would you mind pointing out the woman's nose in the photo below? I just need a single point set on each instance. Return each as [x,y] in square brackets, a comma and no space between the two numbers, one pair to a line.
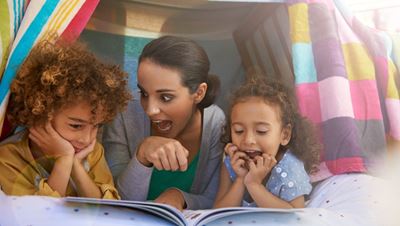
[152,108]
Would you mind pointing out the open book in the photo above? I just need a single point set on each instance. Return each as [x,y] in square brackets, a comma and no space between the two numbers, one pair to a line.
[173,215]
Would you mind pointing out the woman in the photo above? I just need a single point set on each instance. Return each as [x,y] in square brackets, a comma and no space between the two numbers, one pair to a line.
[171,152]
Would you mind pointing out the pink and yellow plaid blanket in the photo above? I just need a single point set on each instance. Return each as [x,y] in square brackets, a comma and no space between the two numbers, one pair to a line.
[347,83]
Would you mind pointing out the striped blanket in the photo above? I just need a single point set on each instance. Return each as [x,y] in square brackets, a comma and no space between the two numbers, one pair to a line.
[347,83]
[23,23]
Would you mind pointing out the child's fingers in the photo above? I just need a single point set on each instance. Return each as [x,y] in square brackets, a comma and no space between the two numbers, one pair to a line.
[49,129]
[259,161]
[40,131]
[252,165]
[240,163]
[269,161]
[238,155]
[33,137]
[230,149]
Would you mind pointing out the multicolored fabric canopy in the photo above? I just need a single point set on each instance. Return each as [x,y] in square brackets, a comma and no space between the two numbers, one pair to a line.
[24,22]
[347,82]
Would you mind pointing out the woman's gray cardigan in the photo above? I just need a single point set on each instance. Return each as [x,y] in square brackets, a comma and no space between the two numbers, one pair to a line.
[126,132]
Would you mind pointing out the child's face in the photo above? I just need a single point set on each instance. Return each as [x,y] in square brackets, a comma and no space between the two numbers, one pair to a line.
[75,124]
[165,100]
[256,127]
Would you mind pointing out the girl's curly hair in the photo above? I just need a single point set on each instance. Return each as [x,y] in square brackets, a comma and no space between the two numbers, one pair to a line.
[303,142]
[55,75]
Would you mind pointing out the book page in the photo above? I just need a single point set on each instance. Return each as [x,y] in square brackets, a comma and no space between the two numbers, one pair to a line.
[201,217]
[157,209]
[48,211]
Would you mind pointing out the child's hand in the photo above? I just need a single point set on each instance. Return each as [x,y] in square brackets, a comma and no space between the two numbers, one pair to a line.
[50,142]
[238,163]
[85,152]
[259,169]
[230,149]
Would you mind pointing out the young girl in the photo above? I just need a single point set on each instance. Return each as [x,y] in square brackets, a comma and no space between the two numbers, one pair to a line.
[271,149]
[61,95]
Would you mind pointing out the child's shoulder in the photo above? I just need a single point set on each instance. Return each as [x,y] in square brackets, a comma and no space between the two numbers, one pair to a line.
[98,152]
[289,160]
[12,147]
[289,167]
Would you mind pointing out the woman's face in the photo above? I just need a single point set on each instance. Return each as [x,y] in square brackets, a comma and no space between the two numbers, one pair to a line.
[168,103]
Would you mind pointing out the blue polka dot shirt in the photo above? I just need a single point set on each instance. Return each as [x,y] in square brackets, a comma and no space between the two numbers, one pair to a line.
[288,179]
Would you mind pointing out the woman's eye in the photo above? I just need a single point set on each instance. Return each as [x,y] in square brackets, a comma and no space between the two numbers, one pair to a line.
[166,98]
[142,93]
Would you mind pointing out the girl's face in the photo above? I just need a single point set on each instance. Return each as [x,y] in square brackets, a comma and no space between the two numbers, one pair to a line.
[75,124]
[256,127]
[168,103]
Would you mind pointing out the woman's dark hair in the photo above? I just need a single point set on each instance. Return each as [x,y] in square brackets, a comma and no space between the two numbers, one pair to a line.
[189,59]
[303,142]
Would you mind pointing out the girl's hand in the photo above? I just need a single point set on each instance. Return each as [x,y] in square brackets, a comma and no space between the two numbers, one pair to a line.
[238,163]
[259,169]
[82,154]
[163,153]
[230,149]
[172,197]
[50,142]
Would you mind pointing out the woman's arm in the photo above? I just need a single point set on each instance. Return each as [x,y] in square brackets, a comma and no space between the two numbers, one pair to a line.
[116,148]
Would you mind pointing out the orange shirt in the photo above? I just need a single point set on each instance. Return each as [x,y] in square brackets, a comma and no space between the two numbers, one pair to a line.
[21,174]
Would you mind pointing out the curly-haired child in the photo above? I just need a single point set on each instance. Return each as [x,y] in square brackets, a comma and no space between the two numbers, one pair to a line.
[62,94]
[270,148]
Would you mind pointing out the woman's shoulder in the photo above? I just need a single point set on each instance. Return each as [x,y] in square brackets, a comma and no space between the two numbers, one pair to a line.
[214,112]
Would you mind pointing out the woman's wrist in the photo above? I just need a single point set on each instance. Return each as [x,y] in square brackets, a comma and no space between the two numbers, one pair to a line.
[140,156]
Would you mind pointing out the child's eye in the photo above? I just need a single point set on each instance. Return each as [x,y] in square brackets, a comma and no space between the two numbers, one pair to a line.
[99,125]
[76,126]
[238,131]
[262,131]
[166,98]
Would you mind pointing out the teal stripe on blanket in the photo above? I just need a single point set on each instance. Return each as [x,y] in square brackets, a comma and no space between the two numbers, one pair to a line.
[303,63]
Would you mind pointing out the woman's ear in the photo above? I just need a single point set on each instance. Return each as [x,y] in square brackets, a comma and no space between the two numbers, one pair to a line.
[200,92]
[286,134]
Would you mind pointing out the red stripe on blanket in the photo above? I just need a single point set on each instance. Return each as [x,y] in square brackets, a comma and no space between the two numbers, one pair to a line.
[346,165]
[78,23]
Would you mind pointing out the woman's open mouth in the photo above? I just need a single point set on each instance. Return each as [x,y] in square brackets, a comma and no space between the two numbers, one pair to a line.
[162,125]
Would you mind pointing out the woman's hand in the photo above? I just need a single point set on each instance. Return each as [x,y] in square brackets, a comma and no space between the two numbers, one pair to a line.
[50,142]
[259,169]
[172,197]
[163,153]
